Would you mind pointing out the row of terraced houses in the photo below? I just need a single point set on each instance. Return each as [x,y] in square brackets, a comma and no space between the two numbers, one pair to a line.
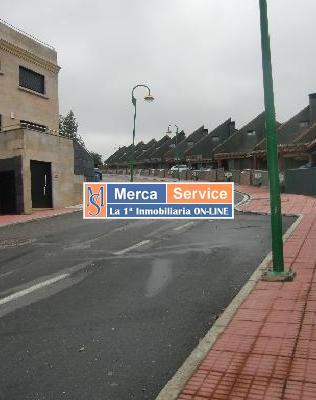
[230,148]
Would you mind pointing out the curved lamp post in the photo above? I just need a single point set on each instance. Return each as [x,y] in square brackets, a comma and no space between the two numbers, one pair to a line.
[177,150]
[149,98]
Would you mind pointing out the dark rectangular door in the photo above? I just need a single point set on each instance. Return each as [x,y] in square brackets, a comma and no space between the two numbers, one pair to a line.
[7,192]
[41,180]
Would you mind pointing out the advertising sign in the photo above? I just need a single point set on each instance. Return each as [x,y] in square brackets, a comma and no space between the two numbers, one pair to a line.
[163,200]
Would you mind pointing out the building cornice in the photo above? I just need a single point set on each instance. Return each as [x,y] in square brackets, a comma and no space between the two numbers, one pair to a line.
[229,156]
[28,56]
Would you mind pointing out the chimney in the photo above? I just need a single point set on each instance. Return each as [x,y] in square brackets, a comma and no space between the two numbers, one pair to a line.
[232,128]
[312,108]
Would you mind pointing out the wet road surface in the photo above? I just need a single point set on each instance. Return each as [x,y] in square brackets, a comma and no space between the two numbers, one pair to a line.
[110,310]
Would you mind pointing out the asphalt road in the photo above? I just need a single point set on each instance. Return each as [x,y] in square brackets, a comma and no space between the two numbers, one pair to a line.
[87,315]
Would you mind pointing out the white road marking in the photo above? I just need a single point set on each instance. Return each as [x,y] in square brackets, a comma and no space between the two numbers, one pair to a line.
[31,289]
[179,228]
[7,273]
[135,246]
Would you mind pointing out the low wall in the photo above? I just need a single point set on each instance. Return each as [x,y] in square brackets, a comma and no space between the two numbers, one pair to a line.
[78,189]
[300,181]
[206,175]
[260,178]
[245,177]
[236,175]
[220,175]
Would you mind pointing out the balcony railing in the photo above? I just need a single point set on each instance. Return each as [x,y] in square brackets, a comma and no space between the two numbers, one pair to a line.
[33,127]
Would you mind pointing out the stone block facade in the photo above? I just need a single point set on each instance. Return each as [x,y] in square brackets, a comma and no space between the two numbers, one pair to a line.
[17,102]
[30,146]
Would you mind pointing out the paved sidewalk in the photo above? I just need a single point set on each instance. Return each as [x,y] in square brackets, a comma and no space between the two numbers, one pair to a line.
[268,350]
[18,219]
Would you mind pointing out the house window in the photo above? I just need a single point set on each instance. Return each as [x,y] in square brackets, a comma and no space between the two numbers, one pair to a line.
[303,124]
[251,133]
[31,80]
[215,139]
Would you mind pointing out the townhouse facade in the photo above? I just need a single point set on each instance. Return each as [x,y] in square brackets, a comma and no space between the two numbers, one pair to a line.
[37,165]
[181,153]
[294,139]
[144,159]
[202,153]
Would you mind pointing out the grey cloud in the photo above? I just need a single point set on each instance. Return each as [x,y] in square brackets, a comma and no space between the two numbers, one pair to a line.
[201,57]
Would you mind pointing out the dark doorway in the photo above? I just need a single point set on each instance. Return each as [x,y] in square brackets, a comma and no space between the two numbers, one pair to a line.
[41,180]
[7,193]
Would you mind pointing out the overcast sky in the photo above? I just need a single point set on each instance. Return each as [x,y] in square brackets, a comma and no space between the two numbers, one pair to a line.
[201,58]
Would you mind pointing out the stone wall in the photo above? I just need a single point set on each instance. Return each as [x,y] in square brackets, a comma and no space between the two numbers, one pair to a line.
[84,164]
[236,175]
[245,177]
[57,150]
[220,175]
[78,189]
[18,103]
[260,178]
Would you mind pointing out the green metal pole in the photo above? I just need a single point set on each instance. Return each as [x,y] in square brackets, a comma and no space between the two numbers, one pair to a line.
[132,157]
[272,150]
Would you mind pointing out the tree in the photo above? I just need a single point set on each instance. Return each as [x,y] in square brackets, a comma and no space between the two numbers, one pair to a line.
[68,126]
[97,159]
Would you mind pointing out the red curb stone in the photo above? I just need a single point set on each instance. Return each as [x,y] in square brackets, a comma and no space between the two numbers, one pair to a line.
[268,350]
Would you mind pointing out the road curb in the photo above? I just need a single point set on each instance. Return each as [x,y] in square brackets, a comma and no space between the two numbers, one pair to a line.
[39,218]
[246,198]
[173,388]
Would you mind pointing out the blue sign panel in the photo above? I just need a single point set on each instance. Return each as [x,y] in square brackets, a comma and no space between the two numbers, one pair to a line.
[129,193]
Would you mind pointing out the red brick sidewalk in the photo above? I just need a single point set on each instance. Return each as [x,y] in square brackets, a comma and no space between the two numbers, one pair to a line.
[268,350]
[18,219]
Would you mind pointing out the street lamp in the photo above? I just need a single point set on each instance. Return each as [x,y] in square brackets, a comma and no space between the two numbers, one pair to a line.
[149,98]
[177,150]
[278,273]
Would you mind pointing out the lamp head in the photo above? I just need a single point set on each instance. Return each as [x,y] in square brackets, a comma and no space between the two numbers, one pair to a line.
[149,98]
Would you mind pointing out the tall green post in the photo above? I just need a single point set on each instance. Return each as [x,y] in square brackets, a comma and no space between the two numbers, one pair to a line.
[132,155]
[272,153]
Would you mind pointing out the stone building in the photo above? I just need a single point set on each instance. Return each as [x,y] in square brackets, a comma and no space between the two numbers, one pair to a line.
[36,164]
